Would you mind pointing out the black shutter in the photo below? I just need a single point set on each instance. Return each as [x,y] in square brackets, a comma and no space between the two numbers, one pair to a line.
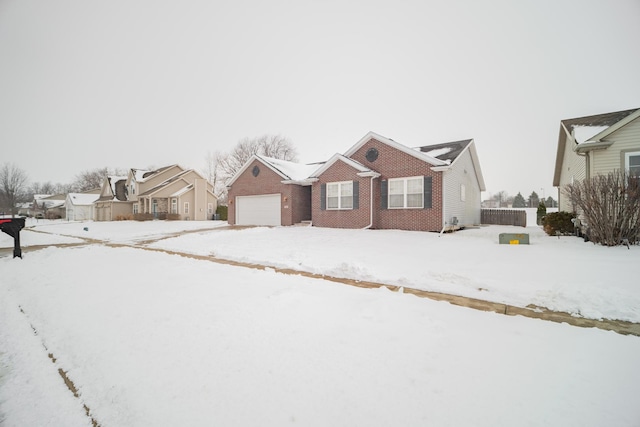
[427,192]
[323,197]
[383,194]
[356,195]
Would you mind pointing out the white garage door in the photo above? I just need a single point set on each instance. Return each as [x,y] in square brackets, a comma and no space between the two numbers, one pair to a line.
[258,210]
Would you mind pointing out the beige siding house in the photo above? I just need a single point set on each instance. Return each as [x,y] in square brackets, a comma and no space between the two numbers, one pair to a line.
[112,203]
[167,190]
[592,145]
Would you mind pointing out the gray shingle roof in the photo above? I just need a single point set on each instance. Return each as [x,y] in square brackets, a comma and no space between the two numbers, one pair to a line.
[455,148]
[606,119]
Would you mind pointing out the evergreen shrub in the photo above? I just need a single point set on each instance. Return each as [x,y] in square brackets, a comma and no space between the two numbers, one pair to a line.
[222,211]
[555,222]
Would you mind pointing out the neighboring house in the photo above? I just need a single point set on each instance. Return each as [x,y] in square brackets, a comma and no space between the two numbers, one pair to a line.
[112,202]
[378,183]
[54,206]
[25,209]
[168,190]
[490,204]
[593,145]
[80,206]
[38,207]
[47,206]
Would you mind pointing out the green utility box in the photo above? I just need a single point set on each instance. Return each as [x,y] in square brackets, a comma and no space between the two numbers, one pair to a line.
[514,238]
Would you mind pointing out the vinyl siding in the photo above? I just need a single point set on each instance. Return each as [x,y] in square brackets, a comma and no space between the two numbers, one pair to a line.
[573,169]
[157,179]
[625,139]
[467,211]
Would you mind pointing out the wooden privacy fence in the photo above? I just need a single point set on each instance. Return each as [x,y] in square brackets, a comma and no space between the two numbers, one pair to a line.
[503,217]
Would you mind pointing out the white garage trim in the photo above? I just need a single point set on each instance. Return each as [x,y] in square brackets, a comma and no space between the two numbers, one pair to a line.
[258,210]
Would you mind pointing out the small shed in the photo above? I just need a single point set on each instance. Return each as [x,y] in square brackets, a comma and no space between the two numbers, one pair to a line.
[80,206]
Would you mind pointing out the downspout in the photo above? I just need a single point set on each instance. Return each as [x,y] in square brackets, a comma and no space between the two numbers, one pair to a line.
[444,219]
[370,204]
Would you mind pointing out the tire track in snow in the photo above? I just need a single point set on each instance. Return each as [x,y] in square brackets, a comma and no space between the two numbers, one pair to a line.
[63,374]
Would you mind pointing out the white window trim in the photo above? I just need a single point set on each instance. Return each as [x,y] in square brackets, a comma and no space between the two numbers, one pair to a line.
[627,157]
[339,184]
[186,207]
[404,193]
[174,206]
[463,193]
[210,208]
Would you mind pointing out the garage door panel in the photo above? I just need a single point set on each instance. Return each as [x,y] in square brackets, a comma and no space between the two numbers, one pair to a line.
[258,210]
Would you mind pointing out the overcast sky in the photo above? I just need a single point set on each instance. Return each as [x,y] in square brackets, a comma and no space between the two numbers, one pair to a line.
[137,83]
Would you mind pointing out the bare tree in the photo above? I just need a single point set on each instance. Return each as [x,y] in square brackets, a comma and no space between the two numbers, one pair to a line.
[13,184]
[47,188]
[220,167]
[214,174]
[501,197]
[90,179]
[610,206]
[275,146]
[44,188]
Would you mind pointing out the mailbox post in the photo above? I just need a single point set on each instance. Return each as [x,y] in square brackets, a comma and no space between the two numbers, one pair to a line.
[12,227]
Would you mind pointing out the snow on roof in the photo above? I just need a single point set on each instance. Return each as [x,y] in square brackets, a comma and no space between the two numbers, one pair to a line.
[349,161]
[82,198]
[295,171]
[54,204]
[584,133]
[40,196]
[138,174]
[438,151]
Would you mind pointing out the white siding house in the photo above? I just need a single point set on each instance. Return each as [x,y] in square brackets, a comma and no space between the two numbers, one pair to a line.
[80,206]
[462,182]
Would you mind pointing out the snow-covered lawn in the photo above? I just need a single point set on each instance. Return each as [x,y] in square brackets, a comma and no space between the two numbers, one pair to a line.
[155,339]
[115,232]
[563,274]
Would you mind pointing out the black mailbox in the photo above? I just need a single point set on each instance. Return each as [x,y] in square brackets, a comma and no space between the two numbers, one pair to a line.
[12,227]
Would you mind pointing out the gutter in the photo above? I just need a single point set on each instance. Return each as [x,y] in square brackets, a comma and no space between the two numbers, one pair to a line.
[444,213]
[373,176]
[370,204]
[592,145]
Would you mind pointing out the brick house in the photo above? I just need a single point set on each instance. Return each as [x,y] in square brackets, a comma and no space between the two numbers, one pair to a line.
[378,183]
[268,191]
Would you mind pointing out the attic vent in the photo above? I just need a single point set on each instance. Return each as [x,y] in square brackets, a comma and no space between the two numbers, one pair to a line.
[372,155]
[255,171]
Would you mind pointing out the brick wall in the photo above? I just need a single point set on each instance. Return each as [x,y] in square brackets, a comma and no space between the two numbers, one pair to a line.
[348,218]
[391,163]
[300,203]
[294,199]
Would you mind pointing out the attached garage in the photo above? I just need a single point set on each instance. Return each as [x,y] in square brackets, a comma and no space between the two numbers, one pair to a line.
[258,210]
